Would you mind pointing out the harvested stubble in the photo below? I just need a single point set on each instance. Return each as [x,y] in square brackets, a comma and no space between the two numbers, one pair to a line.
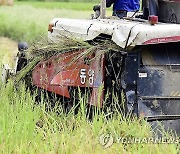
[43,50]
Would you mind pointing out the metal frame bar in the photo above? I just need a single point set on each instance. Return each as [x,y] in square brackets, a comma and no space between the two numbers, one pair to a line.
[103,9]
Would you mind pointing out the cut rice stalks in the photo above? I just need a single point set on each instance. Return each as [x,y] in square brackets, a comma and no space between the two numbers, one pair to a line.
[43,50]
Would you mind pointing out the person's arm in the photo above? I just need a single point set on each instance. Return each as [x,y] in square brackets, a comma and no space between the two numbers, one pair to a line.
[109,3]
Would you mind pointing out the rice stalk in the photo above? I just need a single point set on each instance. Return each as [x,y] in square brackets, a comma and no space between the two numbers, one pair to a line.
[42,50]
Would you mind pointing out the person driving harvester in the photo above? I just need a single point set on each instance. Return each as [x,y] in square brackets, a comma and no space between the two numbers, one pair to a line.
[121,7]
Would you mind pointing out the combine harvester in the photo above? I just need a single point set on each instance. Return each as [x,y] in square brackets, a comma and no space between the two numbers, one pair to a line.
[145,69]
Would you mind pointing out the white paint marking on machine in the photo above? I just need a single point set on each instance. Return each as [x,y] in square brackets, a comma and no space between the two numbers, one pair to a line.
[83,76]
[143,75]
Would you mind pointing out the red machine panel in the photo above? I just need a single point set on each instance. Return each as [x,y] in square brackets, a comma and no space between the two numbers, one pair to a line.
[65,70]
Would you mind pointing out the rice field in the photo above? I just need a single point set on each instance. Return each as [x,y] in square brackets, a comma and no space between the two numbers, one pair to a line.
[25,22]
[60,5]
[28,128]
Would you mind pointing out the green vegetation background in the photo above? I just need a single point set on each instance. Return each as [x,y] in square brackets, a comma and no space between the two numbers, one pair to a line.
[26,21]
[60,0]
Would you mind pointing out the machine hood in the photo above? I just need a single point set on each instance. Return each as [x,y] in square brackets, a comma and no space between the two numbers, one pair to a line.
[125,33]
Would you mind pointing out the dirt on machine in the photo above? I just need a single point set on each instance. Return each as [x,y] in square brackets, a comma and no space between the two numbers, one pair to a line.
[135,59]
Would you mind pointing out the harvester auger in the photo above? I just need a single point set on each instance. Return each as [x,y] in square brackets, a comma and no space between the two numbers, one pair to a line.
[143,68]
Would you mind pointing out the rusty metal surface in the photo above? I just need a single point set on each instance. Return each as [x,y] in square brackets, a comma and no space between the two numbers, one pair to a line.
[161,69]
[158,86]
[171,126]
[150,108]
[169,11]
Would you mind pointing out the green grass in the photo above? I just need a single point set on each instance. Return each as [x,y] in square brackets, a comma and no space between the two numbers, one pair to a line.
[25,128]
[60,5]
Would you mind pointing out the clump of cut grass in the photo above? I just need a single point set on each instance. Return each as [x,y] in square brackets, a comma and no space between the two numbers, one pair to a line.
[43,50]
